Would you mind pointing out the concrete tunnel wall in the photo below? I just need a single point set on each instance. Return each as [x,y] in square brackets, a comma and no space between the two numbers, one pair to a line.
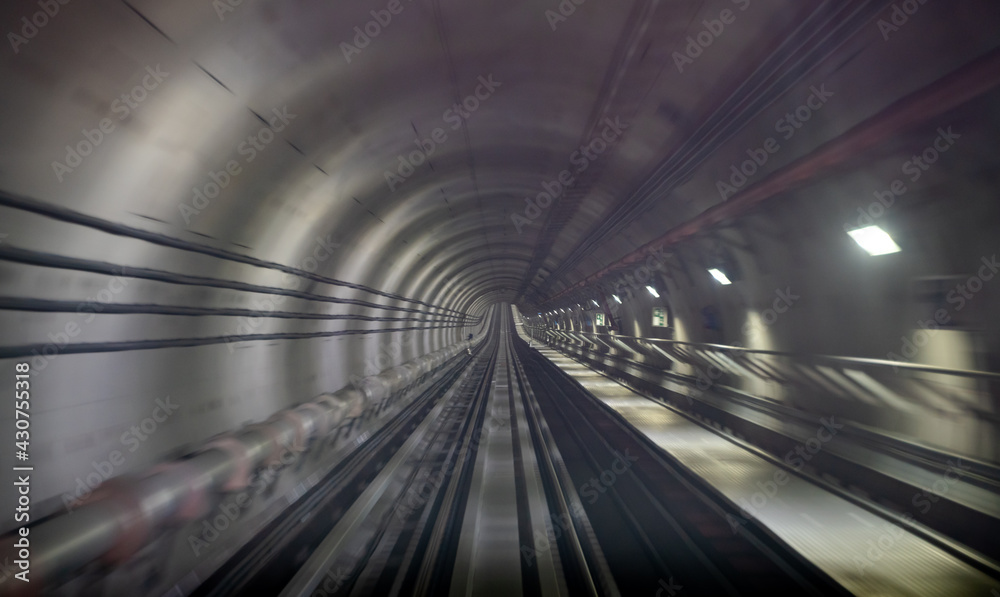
[271,81]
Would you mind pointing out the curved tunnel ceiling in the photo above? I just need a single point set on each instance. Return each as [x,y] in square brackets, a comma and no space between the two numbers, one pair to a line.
[345,118]
[263,163]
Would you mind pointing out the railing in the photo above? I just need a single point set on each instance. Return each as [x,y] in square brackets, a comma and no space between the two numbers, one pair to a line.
[932,404]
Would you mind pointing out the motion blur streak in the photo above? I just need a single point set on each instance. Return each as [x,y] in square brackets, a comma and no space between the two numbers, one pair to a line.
[553,297]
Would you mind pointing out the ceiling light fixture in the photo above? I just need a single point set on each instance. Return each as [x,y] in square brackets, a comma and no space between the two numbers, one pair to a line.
[721,277]
[874,240]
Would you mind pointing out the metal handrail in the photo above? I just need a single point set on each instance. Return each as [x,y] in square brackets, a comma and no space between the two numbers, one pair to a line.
[821,358]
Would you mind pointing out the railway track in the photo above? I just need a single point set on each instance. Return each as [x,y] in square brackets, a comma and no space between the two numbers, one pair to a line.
[509,478]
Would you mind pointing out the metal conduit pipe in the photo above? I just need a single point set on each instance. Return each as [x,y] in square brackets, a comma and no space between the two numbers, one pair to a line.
[124,513]
[967,83]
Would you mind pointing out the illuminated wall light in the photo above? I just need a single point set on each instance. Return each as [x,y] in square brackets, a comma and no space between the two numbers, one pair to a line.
[874,240]
[653,292]
[615,296]
[720,277]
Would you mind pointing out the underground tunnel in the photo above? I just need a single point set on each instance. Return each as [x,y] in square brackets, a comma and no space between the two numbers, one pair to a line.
[542,298]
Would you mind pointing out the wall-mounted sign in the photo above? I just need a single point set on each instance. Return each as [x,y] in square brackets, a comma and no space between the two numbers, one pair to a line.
[659,317]
[599,319]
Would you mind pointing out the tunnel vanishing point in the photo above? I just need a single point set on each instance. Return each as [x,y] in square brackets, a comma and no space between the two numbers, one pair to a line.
[544,298]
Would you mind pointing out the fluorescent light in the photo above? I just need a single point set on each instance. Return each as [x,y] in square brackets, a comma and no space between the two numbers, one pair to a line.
[721,277]
[596,304]
[653,292]
[874,240]
[615,296]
